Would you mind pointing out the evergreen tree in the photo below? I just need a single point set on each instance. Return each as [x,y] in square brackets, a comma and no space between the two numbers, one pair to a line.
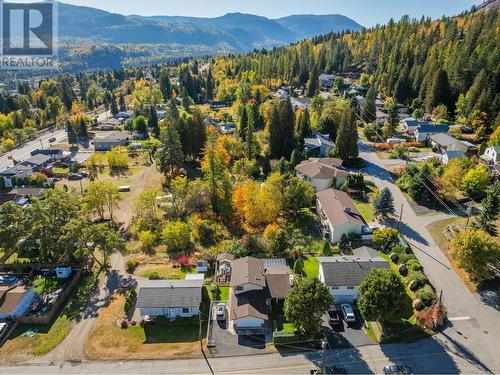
[384,204]
[113,106]
[169,154]
[165,85]
[369,109]
[439,92]
[296,158]
[490,208]
[249,139]
[391,122]
[303,126]
[287,126]
[82,130]
[346,144]
[242,128]
[209,87]
[313,83]
[140,125]
[72,138]
[153,121]
[123,107]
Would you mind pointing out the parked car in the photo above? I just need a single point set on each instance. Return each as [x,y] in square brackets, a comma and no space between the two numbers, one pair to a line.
[52,140]
[348,313]
[220,311]
[398,370]
[74,176]
[334,318]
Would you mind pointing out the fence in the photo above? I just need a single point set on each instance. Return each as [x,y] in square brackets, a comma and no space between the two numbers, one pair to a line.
[47,318]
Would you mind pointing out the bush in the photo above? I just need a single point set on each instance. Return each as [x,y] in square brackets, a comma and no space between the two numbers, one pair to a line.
[124,324]
[419,278]
[153,275]
[427,295]
[384,237]
[405,258]
[132,264]
[413,265]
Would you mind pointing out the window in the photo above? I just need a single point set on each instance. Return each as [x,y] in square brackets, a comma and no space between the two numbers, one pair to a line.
[239,288]
[335,287]
[185,310]
[350,287]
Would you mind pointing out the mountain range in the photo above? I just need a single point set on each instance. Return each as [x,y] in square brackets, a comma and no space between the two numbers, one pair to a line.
[233,32]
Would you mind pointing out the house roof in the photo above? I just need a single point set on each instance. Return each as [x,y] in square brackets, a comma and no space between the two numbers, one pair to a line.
[348,270]
[365,252]
[29,191]
[18,170]
[274,262]
[112,137]
[443,139]
[247,270]
[37,160]
[225,256]
[339,207]
[250,304]
[454,154]
[10,297]
[321,168]
[432,128]
[278,281]
[169,293]
[317,140]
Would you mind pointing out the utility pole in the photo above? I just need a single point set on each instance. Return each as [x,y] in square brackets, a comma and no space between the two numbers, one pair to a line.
[40,139]
[323,364]
[469,213]
[400,217]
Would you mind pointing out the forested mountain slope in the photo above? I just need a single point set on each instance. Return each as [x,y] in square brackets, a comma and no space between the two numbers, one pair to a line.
[453,61]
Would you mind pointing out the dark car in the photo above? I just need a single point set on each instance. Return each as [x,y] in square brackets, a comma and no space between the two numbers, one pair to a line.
[398,370]
[52,140]
[74,176]
[334,318]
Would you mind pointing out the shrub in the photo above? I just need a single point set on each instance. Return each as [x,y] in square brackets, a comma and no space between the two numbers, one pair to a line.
[132,264]
[124,324]
[427,295]
[384,237]
[298,267]
[419,278]
[413,265]
[177,235]
[398,249]
[153,275]
[184,261]
[405,258]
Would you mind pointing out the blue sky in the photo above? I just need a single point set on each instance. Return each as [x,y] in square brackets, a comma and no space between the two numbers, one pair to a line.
[366,12]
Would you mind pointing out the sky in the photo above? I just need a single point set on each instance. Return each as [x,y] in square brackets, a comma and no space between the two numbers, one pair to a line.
[366,12]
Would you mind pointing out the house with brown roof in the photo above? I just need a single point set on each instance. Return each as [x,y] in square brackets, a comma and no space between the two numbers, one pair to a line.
[321,172]
[15,300]
[338,216]
[254,283]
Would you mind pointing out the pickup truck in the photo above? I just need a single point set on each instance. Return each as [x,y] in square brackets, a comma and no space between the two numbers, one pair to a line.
[334,318]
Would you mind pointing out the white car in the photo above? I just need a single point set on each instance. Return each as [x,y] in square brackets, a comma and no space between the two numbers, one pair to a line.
[220,311]
[348,313]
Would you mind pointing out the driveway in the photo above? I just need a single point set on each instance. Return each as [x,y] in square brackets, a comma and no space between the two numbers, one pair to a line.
[474,326]
[228,344]
[346,335]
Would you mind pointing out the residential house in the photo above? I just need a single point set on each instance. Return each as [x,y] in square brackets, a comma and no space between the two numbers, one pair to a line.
[450,155]
[15,173]
[491,155]
[56,155]
[169,298]
[106,141]
[338,215]
[300,103]
[425,131]
[343,274]
[321,172]
[125,115]
[409,124]
[255,284]
[444,142]
[15,300]
[281,94]
[318,145]
[326,80]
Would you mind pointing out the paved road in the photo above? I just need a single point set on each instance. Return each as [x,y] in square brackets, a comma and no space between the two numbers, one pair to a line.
[474,325]
[24,152]
[426,356]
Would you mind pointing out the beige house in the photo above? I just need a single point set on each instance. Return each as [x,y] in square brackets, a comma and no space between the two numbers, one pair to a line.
[321,172]
[338,215]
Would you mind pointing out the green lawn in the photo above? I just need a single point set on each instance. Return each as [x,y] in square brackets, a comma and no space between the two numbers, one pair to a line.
[311,266]
[224,293]
[45,285]
[366,210]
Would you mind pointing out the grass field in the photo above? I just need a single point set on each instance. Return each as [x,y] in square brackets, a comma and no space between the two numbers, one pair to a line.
[311,266]
[366,210]
[108,341]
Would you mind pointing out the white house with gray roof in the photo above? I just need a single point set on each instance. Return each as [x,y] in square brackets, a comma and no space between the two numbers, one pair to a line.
[169,298]
[321,172]
[491,155]
[343,274]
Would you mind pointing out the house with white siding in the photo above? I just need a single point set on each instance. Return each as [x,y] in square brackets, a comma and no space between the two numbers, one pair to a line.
[343,274]
[15,300]
[424,131]
[491,155]
[338,216]
[169,298]
[321,172]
